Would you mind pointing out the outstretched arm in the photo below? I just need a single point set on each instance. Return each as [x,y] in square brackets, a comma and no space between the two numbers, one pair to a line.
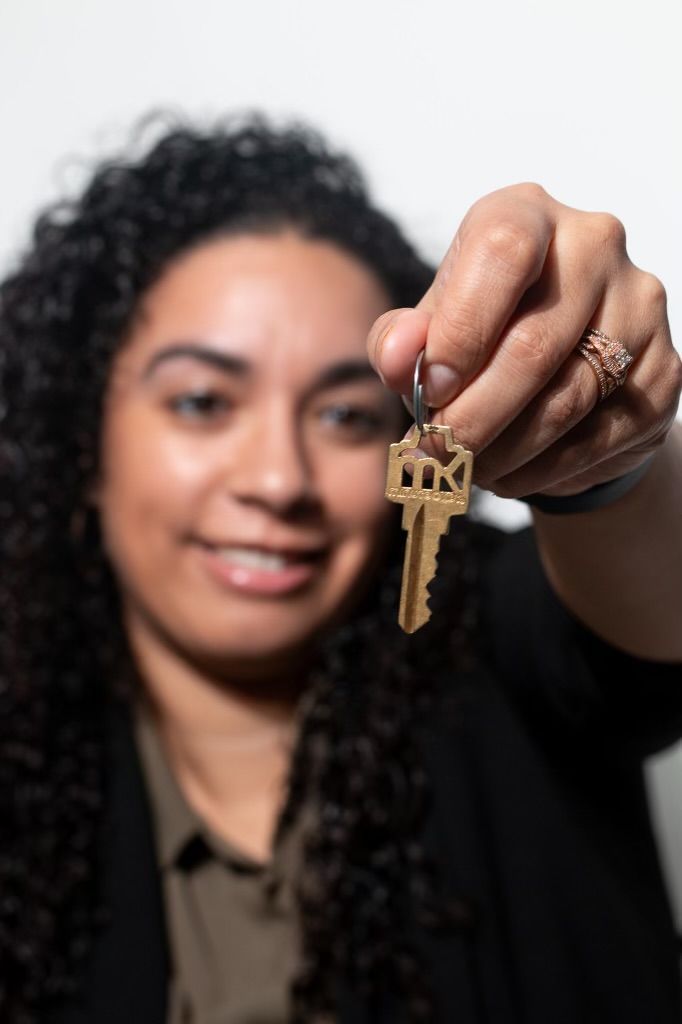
[619,568]
[523,279]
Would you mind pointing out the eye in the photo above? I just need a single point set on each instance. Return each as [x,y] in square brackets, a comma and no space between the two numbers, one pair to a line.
[199,405]
[354,420]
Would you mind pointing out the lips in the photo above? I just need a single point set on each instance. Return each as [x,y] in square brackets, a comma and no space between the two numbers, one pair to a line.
[259,569]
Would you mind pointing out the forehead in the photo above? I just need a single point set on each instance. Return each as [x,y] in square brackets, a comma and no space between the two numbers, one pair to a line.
[281,301]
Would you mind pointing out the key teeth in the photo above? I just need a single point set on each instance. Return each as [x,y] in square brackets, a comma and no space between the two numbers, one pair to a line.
[434,570]
[426,611]
[420,565]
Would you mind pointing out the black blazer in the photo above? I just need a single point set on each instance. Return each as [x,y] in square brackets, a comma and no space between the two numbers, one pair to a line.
[539,817]
[127,976]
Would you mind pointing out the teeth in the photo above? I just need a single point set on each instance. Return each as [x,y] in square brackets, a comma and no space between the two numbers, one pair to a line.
[252,558]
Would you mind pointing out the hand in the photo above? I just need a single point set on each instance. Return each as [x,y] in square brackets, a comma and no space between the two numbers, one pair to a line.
[522,279]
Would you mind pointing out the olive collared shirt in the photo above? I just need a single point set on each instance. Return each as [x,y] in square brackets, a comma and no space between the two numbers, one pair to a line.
[232,925]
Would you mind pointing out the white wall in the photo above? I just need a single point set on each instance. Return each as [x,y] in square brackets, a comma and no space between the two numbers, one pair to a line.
[443,101]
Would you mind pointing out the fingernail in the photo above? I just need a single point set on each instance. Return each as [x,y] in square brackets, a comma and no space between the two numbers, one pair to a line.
[441,384]
[381,341]
[378,349]
[384,334]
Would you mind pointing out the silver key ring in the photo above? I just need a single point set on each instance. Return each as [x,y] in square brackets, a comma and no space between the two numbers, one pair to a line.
[422,412]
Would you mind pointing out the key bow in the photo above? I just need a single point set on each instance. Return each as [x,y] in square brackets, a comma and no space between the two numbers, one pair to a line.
[451,483]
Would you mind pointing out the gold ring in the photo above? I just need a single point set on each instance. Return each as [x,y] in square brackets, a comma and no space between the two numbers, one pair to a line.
[608,357]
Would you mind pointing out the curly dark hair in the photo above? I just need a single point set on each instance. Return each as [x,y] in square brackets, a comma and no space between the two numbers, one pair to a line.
[63,652]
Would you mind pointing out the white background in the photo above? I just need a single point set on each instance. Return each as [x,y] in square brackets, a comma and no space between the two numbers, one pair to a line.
[441,101]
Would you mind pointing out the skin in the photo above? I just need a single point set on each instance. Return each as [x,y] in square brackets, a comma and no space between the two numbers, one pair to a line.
[242,410]
[522,279]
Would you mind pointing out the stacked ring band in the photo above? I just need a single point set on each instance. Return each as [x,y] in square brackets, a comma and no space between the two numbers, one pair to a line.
[608,357]
[610,361]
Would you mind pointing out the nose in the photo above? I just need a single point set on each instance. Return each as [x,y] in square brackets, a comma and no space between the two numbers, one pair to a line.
[271,468]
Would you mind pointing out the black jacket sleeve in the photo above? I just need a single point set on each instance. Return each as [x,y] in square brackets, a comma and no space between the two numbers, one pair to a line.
[559,670]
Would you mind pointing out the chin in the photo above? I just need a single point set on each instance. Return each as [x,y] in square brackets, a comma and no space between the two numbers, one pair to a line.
[254,640]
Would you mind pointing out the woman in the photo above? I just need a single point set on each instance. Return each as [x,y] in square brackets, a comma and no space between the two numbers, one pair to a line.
[228,778]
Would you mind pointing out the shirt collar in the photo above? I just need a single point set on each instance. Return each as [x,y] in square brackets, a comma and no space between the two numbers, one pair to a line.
[175,823]
[177,826]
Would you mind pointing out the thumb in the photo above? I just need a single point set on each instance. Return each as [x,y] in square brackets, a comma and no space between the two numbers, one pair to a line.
[393,344]
[397,337]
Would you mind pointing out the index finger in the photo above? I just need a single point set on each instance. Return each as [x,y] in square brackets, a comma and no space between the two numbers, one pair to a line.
[498,253]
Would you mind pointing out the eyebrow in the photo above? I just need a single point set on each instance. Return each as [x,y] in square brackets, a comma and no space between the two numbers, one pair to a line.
[203,354]
[346,372]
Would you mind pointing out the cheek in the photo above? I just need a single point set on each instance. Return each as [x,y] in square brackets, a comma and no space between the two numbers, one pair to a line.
[149,485]
[362,520]
[353,487]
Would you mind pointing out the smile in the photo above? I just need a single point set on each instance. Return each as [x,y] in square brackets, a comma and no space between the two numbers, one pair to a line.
[255,558]
[259,571]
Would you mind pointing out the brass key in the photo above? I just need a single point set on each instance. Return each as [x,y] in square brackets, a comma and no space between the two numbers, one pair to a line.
[426,510]
[426,514]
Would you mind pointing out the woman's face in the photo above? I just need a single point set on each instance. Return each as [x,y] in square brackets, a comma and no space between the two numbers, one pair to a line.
[244,446]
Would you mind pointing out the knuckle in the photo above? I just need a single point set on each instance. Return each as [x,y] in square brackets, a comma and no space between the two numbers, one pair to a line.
[512,247]
[532,348]
[564,409]
[659,400]
[674,381]
[459,330]
[522,190]
[609,231]
[677,375]
[653,291]
[530,190]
